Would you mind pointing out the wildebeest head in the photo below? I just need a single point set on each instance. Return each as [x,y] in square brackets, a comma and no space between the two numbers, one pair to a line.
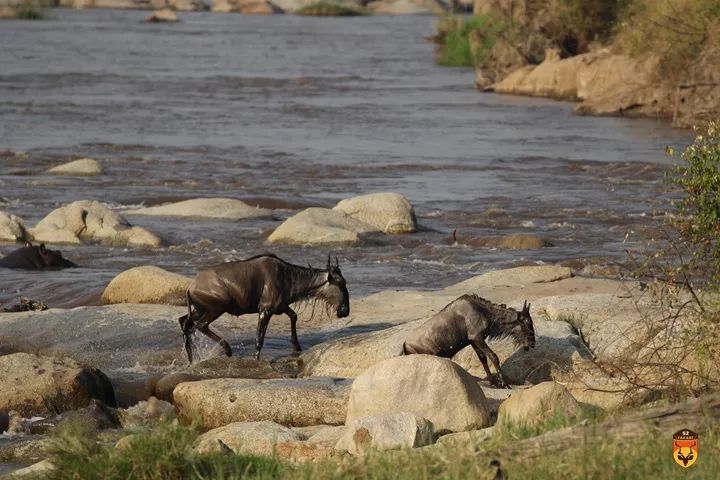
[52,258]
[334,292]
[524,331]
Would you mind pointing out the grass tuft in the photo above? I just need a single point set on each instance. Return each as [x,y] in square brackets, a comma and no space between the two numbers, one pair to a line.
[453,33]
[327,9]
[164,453]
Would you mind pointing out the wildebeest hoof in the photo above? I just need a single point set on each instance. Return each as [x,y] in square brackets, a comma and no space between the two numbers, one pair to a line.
[226,347]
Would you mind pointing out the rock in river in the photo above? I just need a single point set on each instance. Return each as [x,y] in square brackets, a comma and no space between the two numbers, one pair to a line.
[386,212]
[320,226]
[93,221]
[12,228]
[81,167]
[221,208]
[146,284]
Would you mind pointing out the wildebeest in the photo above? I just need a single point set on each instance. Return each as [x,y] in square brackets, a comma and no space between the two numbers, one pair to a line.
[264,284]
[470,320]
[31,257]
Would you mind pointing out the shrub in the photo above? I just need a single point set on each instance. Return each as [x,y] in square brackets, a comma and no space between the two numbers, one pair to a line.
[29,11]
[326,9]
[453,34]
[674,30]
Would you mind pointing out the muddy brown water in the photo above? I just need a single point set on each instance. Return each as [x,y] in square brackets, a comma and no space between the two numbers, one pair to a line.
[289,112]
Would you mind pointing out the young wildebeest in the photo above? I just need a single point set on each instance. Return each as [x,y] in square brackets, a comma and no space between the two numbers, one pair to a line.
[470,320]
[263,284]
[31,257]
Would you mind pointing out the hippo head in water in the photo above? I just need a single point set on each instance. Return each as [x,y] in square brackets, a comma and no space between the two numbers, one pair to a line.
[32,257]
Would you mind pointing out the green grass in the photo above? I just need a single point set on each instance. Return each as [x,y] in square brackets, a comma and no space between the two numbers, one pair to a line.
[453,34]
[674,30]
[166,453]
[30,12]
[163,453]
[327,9]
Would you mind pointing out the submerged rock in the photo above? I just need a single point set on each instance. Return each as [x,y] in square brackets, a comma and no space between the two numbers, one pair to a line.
[12,228]
[146,284]
[320,226]
[296,402]
[247,7]
[81,167]
[259,438]
[92,221]
[386,432]
[386,212]
[221,208]
[163,15]
[431,387]
[35,385]
[96,415]
[146,413]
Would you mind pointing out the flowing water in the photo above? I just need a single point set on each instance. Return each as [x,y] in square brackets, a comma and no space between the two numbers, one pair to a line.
[290,112]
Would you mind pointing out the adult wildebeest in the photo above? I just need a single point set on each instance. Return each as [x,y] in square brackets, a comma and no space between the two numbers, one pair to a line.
[470,320]
[264,284]
[31,257]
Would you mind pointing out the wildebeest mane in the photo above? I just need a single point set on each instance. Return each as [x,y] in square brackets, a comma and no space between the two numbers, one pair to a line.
[502,318]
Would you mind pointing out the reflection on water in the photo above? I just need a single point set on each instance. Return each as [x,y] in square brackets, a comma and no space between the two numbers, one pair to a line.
[291,112]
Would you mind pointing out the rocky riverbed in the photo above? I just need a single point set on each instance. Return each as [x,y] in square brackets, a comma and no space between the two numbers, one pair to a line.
[351,375]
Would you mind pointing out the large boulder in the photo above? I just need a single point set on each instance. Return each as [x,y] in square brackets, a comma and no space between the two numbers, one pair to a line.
[537,404]
[320,226]
[386,212]
[81,167]
[222,208]
[35,385]
[297,402]
[431,387]
[259,438]
[12,228]
[398,7]
[350,356]
[386,432]
[92,221]
[146,284]
[556,345]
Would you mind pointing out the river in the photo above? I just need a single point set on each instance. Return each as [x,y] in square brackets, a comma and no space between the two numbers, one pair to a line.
[289,112]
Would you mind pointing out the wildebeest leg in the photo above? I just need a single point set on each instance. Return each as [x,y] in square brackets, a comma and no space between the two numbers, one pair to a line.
[483,360]
[293,328]
[263,320]
[479,343]
[203,323]
[221,341]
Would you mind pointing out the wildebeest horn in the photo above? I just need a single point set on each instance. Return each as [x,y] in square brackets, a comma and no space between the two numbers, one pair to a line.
[328,262]
[336,262]
[525,306]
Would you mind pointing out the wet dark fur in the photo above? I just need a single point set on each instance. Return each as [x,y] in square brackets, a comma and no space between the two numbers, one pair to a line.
[263,284]
[32,257]
[471,320]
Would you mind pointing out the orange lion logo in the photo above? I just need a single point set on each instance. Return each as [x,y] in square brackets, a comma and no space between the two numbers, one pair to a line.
[685,448]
